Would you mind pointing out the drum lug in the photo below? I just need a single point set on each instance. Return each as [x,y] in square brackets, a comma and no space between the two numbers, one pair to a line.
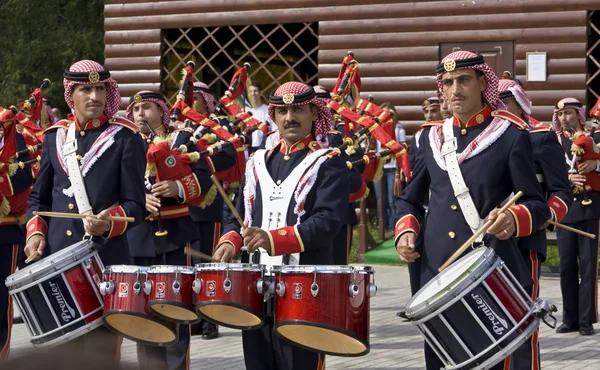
[353,290]
[227,285]
[197,286]
[372,290]
[176,287]
[280,289]
[544,309]
[260,286]
[107,287]
[271,288]
[314,289]
[147,287]
[137,287]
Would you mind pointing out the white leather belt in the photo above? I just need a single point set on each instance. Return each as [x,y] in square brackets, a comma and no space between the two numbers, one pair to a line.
[70,153]
[461,191]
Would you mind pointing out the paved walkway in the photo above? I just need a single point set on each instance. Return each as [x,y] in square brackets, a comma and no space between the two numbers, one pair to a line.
[395,344]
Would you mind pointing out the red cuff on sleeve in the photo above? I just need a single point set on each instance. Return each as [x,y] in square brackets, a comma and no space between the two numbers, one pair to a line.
[191,187]
[558,207]
[285,241]
[523,222]
[6,187]
[36,226]
[233,238]
[360,193]
[405,224]
[117,227]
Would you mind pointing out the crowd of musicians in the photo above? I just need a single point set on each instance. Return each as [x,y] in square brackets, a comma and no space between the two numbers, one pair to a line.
[295,169]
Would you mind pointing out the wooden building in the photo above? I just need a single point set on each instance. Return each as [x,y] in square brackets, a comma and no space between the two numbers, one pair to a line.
[397,43]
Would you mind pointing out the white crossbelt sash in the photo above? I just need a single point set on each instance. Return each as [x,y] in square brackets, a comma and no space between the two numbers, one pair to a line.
[461,191]
[69,151]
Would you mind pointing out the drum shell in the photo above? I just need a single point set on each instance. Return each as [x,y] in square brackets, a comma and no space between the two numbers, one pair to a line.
[243,293]
[332,308]
[124,300]
[166,295]
[58,296]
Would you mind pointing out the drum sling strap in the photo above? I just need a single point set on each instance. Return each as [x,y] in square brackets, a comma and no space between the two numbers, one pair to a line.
[75,176]
[461,191]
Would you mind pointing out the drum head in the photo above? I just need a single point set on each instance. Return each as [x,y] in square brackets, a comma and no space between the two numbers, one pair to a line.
[230,315]
[448,282]
[325,340]
[174,311]
[141,328]
[54,262]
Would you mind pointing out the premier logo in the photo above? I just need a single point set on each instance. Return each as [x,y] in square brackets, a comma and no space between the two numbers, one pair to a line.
[499,325]
[67,313]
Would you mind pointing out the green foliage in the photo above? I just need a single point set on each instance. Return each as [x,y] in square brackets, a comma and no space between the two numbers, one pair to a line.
[373,227]
[40,38]
[552,259]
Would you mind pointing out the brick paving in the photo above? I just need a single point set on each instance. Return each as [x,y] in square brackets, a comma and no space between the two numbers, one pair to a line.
[395,344]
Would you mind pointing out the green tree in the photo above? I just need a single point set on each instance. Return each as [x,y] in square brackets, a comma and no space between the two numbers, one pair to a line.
[40,38]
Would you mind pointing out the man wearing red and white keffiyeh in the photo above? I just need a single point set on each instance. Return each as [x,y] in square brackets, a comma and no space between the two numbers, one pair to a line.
[110,154]
[578,255]
[552,173]
[495,160]
[293,202]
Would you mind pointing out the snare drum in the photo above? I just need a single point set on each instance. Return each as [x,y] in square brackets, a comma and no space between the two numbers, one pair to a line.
[170,295]
[325,308]
[230,294]
[125,289]
[58,296]
[475,313]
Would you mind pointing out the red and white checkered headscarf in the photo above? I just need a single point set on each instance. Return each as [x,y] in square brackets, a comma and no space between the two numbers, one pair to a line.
[303,94]
[205,91]
[511,89]
[579,109]
[149,96]
[113,97]
[491,92]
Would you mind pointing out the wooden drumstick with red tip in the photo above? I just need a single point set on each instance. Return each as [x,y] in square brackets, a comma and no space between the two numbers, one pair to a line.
[478,233]
[227,201]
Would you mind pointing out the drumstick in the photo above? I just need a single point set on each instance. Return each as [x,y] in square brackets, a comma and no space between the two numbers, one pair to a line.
[576,231]
[227,200]
[77,215]
[483,229]
[195,253]
[32,257]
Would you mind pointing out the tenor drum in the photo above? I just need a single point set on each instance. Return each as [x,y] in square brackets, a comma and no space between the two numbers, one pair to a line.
[325,308]
[231,294]
[58,296]
[475,313]
[170,295]
[125,289]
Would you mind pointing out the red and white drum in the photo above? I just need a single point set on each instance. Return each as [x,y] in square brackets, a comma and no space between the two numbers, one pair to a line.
[125,289]
[231,294]
[170,295]
[58,296]
[474,313]
[325,308]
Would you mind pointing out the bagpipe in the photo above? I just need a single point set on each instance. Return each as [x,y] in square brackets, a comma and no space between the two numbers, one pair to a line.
[583,148]
[595,113]
[370,119]
[9,154]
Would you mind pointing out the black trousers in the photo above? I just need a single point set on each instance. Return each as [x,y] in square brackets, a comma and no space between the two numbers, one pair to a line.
[580,298]
[210,232]
[527,357]
[342,243]
[266,350]
[8,265]
[177,355]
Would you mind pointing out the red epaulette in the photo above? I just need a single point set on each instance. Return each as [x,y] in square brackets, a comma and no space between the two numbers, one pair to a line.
[63,123]
[125,123]
[432,123]
[333,153]
[514,119]
[541,127]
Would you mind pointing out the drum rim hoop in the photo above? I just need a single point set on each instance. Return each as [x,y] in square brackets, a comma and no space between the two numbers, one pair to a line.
[222,266]
[438,300]
[167,269]
[75,252]
[126,269]
[322,269]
